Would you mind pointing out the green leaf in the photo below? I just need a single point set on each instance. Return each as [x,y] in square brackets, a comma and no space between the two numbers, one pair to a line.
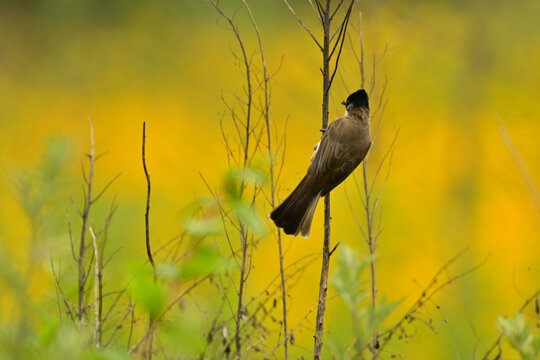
[148,294]
[234,178]
[69,343]
[107,354]
[55,159]
[202,227]
[247,175]
[185,334]
[48,332]
[338,348]
[205,260]
[518,334]
[197,204]
[167,271]
[375,316]
[536,345]
[346,279]
[249,217]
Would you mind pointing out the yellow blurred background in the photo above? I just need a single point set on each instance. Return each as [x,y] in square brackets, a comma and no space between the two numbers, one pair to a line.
[456,71]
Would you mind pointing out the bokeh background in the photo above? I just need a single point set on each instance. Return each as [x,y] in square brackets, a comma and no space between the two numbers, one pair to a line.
[457,71]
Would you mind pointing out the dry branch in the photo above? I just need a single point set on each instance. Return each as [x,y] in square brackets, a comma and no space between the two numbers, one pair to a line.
[328,49]
[427,294]
[85,214]
[98,289]
[267,118]
[497,342]
[147,212]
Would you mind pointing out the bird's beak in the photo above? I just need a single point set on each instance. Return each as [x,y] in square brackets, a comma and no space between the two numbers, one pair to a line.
[344,103]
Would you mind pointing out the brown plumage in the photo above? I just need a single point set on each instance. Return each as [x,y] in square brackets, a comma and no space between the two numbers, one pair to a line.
[342,148]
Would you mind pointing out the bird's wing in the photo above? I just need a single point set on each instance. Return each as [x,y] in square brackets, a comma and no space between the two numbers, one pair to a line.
[330,150]
[339,153]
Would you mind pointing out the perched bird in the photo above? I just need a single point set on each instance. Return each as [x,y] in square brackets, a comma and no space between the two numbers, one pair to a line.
[342,148]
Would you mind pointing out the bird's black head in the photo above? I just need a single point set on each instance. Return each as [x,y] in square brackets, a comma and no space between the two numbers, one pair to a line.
[358,99]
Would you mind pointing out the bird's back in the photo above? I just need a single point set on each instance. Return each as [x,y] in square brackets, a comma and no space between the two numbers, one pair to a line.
[343,147]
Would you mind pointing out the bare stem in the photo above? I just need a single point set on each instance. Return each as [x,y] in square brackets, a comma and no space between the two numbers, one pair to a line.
[361,34]
[303,25]
[325,15]
[434,287]
[147,212]
[241,287]
[497,342]
[98,286]
[150,337]
[369,214]
[85,214]
[267,118]
[323,284]
[371,245]
[245,145]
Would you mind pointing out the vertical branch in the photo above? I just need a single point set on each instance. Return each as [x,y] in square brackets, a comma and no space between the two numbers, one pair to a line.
[241,286]
[497,343]
[150,336]
[371,245]
[86,212]
[367,207]
[361,34]
[323,284]
[98,286]
[147,212]
[248,78]
[267,115]
[246,155]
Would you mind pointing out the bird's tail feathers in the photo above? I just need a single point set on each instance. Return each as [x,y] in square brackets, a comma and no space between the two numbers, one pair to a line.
[305,224]
[295,213]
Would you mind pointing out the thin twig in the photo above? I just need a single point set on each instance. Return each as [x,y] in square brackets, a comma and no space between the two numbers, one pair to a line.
[361,34]
[427,294]
[302,23]
[497,342]
[67,304]
[520,163]
[147,212]
[85,214]
[105,188]
[98,286]
[369,216]
[267,117]
[151,324]
[245,146]
[323,284]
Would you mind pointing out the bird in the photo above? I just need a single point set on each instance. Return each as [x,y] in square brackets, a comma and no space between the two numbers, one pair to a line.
[343,146]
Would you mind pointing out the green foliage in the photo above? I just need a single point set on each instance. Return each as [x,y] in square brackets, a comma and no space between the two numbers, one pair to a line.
[519,336]
[235,179]
[9,275]
[147,293]
[197,227]
[339,349]
[373,317]
[204,260]
[346,280]
[184,334]
[248,216]
[38,188]
[201,261]
[234,203]
[107,354]
[54,341]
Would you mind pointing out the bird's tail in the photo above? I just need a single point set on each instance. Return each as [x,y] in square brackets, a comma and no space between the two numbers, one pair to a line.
[296,212]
